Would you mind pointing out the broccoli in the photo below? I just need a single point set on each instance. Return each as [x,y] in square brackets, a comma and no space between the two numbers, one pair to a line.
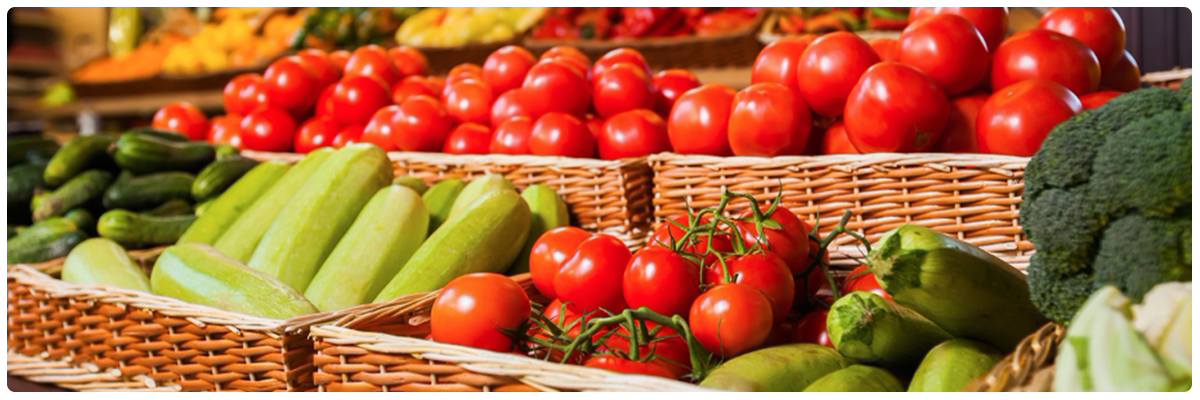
[1108,201]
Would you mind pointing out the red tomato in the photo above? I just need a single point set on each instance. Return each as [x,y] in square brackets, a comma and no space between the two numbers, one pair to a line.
[948,49]
[468,138]
[699,122]
[992,22]
[778,61]
[830,67]
[888,48]
[324,105]
[291,85]
[349,134]
[836,141]
[669,85]
[550,252]
[895,108]
[318,61]
[506,67]
[225,129]
[581,66]
[421,125]
[561,134]
[622,87]
[662,280]
[373,60]
[731,319]
[476,309]
[382,128]
[591,279]
[789,241]
[565,51]
[267,129]
[464,71]
[595,126]
[768,273]
[959,135]
[356,98]
[409,61]
[1123,76]
[512,103]
[512,136]
[669,349]
[243,94]
[861,278]
[768,120]
[1097,99]
[811,329]
[339,59]
[317,132]
[633,133]
[182,117]
[414,85]
[556,86]
[618,55]
[626,366]
[1100,28]
[669,233]
[469,101]
[1040,53]
[1016,119]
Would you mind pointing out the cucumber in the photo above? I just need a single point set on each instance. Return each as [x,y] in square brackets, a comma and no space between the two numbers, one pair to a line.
[870,329]
[857,378]
[83,220]
[384,236]
[170,208]
[135,230]
[217,215]
[547,211]
[23,181]
[100,261]
[30,149]
[159,133]
[198,273]
[148,191]
[786,368]
[486,238]
[412,182]
[76,192]
[313,221]
[225,150]
[78,154]
[219,175]
[240,239]
[44,240]
[12,231]
[143,154]
[961,288]
[477,188]
[440,198]
[950,366]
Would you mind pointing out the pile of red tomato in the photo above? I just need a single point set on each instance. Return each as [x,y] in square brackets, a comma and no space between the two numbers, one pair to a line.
[746,292]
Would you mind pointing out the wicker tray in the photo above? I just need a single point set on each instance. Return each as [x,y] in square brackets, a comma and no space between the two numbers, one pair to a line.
[1030,367]
[610,196]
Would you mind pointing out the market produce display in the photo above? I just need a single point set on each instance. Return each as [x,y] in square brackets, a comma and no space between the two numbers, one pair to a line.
[819,20]
[624,23]
[458,26]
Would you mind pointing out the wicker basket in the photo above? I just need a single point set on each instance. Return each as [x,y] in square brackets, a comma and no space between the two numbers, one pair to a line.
[610,196]
[973,197]
[1030,367]
[380,348]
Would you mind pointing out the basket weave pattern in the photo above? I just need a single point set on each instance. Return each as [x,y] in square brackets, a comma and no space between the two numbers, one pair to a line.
[1029,368]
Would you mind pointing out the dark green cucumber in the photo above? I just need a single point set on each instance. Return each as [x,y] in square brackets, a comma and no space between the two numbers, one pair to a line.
[82,219]
[198,273]
[169,208]
[44,240]
[219,175]
[857,378]
[144,192]
[159,133]
[74,193]
[99,261]
[34,148]
[220,213]
[144,154]
[77,155]
[135,230]
[23,180]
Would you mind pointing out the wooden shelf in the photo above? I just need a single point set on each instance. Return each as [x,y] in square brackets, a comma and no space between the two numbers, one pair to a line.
[124,106]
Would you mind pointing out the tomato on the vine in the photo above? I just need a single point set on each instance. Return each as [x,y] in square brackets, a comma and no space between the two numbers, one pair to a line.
[356,98]
[476,309]
[699,122]
[626,366]
[556,86]
[243,94]
[621,87]
[1045,54]
[669,233]
[662,280]
[1100,28]
[1097,99]
[591,279]
[1123,76]
[548,254]
[633,133]
[267,129]
[468,138]
[959,135]
[1016,119]
[767,272]
[292,85]
[768,120]
[669,85]
[895,108]
[731,319]
[561,134]
[789,240]
[836,141]
[668,348]
[182,117]
[512,136]
[778,61]
[382,128]
[992,22]
[506,67]
[317,132]
[811,328]
[830,67]
[469,101]
[948,49]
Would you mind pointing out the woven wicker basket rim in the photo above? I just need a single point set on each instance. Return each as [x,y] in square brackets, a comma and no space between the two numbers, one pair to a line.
[554,162]
[850,161]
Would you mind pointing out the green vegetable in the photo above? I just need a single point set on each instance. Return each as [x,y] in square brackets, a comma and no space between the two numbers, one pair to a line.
[198,273]
[870,329]
[135,230]
[1165,319]
[144,192]
[412,182]
[786,368]
[76,192]
[220,175]
[78,154]
[170,208]
[857,378]
[100,261]
[143,153]
[217,215]
[49,238]
[23,180]
[439,199]
[951,365]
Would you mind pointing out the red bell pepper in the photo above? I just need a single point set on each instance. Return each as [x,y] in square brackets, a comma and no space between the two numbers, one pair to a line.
[721,22]
[553,27]
[592,23]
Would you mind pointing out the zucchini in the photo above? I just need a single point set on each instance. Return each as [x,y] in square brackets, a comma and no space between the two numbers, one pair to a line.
[198,273]
[217,215]
[412,182]
[135,230]
[870,329]
[77,155]
[547,211]
[786,368]
[439,199]
[144,154]
[950,366]
[160,133]
[477,188]
[170,208]
[76,192]
[23,180]
[857,378]
[82,219]
[100,261]
[140,193]
[44,240]
[219,175]
[30,149]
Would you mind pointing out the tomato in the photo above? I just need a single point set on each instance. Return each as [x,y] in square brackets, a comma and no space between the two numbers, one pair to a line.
[699,122]
[731,319]
[506,67]
[339,59]
[468,138]
[555,86]
[1123,76]
[349,134]
[1100,28]
[789,241]
[768,120]
[583,67]
[626,366]
[767,272]
[992,22]
[836,141]
[669,85]
[225,129]
[888,48]
[595,126]
[861,278]
[1016,119]
[324,105]
[421,125]
[896,108]
[469,101]
[373,60]
[591,279]
[382,128]
[619,55]
[565,51]
[291,85]
[1097,99]
[412,86]
[409,61]
[781,333]
[315,133]
[356,98]
[561,134]
[243,94]
[633,133]
[464,71]
[778,61]
[476,309]
[512,103]
[830,67]
[267,129]
[318,62]
[668,348]
[622,87]
[512,136]
[566,321]
[959,135]
[548,254]
[1040,53]
[182,117]
[668,233]
[662,280]
[948,49]
[811,329]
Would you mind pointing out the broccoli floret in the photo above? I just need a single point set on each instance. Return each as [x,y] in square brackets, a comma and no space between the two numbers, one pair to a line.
[1062,229]
[1139,252]
[1146,165]
[1185,93]
[1059,295]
